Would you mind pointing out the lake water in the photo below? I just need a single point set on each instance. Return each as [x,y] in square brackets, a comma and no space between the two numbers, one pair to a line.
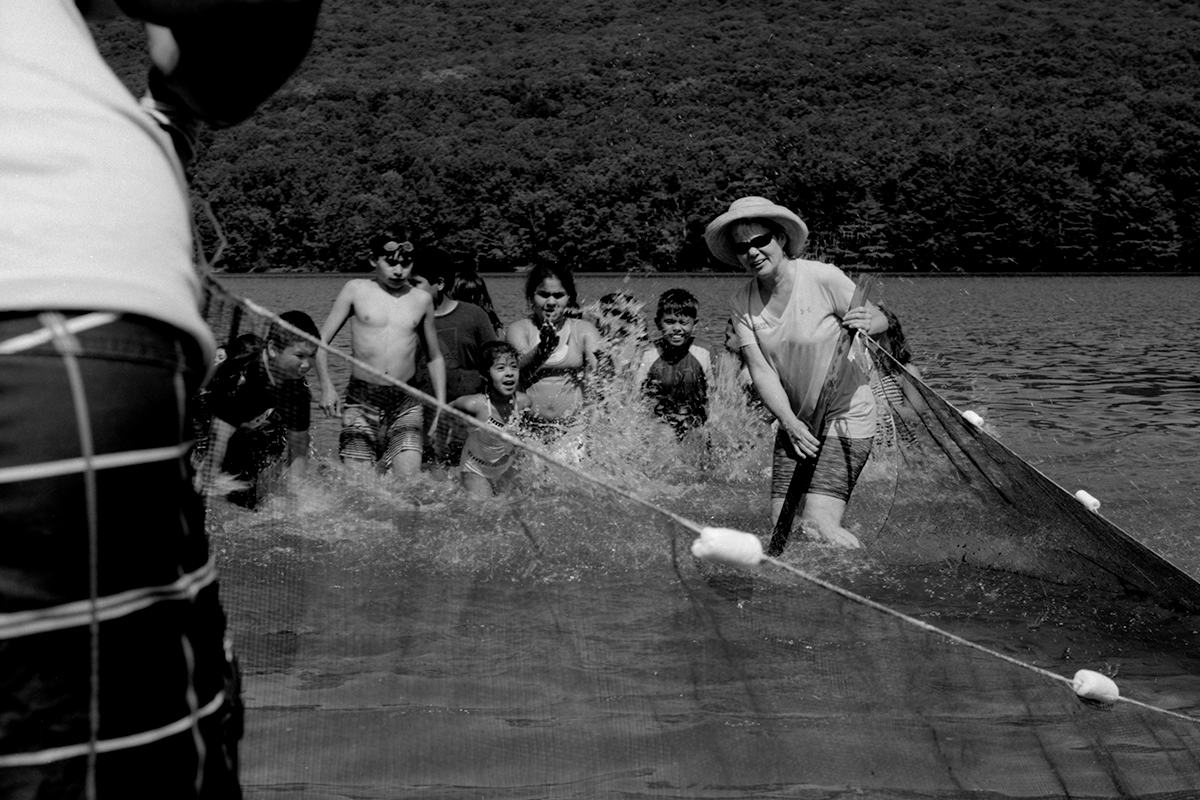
[409,644]
[1094,380]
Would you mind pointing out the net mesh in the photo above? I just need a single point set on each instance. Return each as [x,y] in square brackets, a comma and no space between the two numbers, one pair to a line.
[400,639]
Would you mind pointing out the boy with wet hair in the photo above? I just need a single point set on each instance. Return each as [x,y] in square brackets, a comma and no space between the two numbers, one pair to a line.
[462,330]
[390,323]
[261,410]
[674,374]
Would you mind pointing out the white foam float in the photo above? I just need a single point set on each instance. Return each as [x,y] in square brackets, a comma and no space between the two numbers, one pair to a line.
[1089,502]
[1092,685]
[729,546]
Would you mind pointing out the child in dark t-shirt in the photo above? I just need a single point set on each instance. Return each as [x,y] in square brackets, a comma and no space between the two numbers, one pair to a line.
[674,374]
[462,330]
[260,407]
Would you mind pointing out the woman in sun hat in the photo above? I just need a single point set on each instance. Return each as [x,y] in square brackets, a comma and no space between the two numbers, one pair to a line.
[788,320]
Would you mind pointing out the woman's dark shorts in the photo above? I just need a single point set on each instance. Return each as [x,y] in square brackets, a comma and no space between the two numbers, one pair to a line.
[838,466]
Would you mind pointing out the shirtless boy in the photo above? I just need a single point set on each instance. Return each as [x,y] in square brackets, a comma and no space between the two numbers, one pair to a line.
[389,320]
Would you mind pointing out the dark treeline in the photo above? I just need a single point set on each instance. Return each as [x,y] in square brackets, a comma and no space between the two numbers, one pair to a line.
[931,134]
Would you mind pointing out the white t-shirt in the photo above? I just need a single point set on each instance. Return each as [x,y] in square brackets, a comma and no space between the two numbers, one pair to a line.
[94,210]
[799,345]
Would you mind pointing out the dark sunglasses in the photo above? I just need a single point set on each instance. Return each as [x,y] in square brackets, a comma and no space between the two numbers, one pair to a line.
[758,243]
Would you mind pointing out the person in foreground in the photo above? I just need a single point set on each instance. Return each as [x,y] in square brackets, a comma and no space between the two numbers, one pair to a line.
[382,425]
[557,352]
[260,407]
[788,319]
[117,678]
[486,457]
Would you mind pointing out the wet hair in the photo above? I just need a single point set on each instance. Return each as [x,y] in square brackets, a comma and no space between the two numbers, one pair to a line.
[396,232]
[892,340]
[240,354]
[680,302]
[468,287]
[434,265]
[282,337]
[490,353]
[245,346]
[559,272]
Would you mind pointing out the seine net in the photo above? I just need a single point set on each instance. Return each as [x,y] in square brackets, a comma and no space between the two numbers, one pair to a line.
[400,639]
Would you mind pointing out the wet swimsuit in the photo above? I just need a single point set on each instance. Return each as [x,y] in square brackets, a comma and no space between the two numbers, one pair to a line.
[556,378]
[485,453]
[676,382]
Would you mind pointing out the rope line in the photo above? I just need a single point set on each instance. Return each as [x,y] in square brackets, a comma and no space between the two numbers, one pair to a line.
[28,341]
[925,626]
[70,615]
[52,754]
[74,466]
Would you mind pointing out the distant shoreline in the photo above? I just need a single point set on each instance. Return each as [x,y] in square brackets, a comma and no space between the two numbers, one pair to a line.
[852,270]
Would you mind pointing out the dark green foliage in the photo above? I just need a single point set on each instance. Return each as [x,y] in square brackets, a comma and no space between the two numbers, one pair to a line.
[931,134]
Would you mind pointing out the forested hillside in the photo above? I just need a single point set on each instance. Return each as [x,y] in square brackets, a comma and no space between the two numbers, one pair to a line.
[978,135]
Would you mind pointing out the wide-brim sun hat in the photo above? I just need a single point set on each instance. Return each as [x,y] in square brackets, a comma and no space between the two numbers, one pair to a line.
[716,235]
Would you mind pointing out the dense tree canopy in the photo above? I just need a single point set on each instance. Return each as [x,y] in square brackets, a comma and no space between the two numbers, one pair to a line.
[978,135]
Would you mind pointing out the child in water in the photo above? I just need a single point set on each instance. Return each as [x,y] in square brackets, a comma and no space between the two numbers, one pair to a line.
[259,402]
[391,322]
[675,374]
[487,457]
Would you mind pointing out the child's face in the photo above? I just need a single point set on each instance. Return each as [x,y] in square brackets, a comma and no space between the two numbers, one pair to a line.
[549,300]
[676,329]
[293,361]
[503,374]
[393,272]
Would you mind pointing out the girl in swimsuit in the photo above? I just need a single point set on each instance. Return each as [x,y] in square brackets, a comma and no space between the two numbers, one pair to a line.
[557,352]
[486,457]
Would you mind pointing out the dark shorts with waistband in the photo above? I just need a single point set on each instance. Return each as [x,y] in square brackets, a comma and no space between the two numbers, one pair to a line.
[105,574]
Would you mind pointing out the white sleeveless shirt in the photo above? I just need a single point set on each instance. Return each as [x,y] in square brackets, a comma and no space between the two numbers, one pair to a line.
[94,210]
